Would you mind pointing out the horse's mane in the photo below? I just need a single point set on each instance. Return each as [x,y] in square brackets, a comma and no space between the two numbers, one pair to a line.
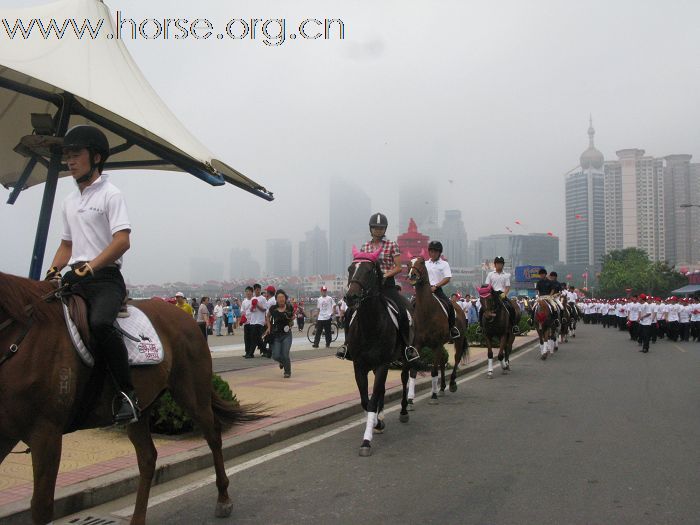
[17,292]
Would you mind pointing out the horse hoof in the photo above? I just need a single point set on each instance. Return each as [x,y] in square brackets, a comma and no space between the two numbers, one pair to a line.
[410,407]
[453,387]
[434,400]
[379,429]
[365,449]
[403,418]
[223,510]
[441,393]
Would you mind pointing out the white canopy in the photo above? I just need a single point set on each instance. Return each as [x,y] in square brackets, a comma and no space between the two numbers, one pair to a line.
[38,75]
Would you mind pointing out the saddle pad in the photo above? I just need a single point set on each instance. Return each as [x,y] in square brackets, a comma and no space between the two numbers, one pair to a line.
[147,350]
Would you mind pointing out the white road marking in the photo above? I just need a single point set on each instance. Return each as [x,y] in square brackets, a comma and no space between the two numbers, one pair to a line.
[679,348]
[211,479]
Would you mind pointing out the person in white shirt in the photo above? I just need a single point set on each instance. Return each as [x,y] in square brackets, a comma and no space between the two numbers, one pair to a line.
[646,316]
[439,274]
[672,319]
[633,318]
[218,317]
[96,235]
[684,320]
[325,306]
[500,282]
[256,319]
[695,319]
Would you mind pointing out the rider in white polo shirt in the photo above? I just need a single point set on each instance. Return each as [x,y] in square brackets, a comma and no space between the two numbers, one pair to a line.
[95,236]
[439,274]
[500,282]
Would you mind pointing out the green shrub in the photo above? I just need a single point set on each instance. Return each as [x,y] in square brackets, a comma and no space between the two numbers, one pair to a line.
[167,417]
[524,324]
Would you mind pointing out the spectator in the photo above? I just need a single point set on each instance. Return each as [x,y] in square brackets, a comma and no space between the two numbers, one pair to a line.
[256,317]
[249,337]
[279,320]
[269,295]
[236,307]
[229,317]
[181,303]
[473,311]
[301,315]
[218,317]
[323,323]
[203,316]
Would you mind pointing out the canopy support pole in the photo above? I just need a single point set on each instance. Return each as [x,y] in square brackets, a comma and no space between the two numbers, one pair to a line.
[42,230]
[22,180]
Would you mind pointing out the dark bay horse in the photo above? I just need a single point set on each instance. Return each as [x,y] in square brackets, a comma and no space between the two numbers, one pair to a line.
[496,323]
[45,378]
[544,320]
[373,342]
[432,329]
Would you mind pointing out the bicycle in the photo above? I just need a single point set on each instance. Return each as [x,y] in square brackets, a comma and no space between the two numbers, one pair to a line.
[311,331]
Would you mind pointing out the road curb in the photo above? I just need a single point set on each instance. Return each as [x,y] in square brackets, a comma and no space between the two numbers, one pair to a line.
[103,489]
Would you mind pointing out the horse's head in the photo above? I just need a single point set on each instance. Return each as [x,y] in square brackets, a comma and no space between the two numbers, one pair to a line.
[417,272]
[364,277]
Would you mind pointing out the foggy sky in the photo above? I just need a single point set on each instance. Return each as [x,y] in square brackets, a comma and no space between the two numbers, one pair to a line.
[493,95]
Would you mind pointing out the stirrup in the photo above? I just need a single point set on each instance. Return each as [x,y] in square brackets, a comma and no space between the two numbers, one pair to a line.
[118,416]
[342,352]
[411,351]
[454,333]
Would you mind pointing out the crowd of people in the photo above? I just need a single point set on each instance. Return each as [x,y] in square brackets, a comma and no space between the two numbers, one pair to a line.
[647,318]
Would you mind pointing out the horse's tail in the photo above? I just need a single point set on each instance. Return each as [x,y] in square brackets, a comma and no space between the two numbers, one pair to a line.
[229,413]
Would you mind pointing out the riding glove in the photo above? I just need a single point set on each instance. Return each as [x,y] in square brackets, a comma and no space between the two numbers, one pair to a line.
[53,274]
[74,276]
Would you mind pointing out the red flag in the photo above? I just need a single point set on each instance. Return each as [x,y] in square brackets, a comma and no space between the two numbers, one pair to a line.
[517,221]
[550,234]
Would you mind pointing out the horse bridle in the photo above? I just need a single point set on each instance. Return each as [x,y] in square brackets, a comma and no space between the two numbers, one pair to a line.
[366,292]
[29,310]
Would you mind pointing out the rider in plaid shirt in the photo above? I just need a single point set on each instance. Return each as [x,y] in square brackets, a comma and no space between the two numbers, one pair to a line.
[390,264]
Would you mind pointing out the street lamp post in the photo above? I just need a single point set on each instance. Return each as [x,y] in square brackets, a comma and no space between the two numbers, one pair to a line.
[687,205]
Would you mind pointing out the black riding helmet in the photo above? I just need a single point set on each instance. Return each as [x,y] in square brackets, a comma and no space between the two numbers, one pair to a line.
[378,220]
[435,245]
[93,140]
[499,260]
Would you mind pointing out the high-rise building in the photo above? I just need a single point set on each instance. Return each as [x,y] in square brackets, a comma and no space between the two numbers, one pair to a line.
[313,253]
[242,265]
[635,205]
[585,208]
[278,261]
[350,209]
[682,188]
[418,201]
[411,243]
[454,239]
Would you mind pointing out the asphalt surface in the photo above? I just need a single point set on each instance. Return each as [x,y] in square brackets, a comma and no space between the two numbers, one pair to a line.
[597,434]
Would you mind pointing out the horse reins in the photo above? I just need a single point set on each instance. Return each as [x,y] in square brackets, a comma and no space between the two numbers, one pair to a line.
[29,310]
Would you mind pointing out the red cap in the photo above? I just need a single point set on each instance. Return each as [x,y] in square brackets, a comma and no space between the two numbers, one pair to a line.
[642,297]
[270,289]
[324,289]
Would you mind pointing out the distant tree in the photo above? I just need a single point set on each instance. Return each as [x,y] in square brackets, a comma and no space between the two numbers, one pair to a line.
[632,269]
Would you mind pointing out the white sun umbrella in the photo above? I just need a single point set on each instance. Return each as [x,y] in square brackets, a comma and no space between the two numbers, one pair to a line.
[42,96]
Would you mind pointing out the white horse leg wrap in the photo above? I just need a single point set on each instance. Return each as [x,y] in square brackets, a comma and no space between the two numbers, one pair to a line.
[542,350]
[411,388]
[371,423]
[435,384]
[490,368]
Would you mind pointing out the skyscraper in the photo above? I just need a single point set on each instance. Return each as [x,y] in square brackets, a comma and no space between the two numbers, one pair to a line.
[585,208]
[454,238]
[242,265]
[635,203]
[313,253]
[682,187]
[278,261]
[350,209]
[418,201]
[518,250]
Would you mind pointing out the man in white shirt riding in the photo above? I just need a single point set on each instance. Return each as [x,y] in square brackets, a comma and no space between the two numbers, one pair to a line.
[500,282]
[96,232]
[439,274]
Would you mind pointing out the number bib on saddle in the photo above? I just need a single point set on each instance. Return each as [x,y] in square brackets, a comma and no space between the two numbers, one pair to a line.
[148,350]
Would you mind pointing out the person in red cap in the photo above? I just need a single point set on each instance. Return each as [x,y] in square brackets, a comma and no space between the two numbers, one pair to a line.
[672,319]
[647,317]
[695,318]
[325,306]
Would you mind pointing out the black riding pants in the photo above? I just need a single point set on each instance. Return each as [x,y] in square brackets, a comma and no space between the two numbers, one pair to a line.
[104,293]
[390,291]
[448,306]
[323,326]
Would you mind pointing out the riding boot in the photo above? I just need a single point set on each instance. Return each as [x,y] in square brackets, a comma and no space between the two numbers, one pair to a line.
[410,353]
[125,405]
[454,331]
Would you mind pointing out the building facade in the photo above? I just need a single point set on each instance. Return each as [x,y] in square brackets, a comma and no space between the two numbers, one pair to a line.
[419,202]
[350,209]
[453,236]
[278,257]
[313,253]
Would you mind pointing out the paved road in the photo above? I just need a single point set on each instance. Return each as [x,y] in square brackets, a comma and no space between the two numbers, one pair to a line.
[597,434]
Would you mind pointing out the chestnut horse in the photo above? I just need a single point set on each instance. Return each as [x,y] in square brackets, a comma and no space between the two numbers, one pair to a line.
[544,320]
[496,323]
[42,376]
[432,330]
[373,342]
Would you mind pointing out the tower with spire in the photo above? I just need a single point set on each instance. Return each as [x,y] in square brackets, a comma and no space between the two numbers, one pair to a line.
[585,209]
